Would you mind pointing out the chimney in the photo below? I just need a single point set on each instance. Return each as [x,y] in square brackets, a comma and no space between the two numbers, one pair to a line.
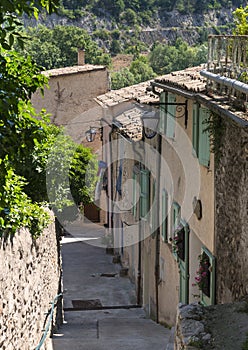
[81,57]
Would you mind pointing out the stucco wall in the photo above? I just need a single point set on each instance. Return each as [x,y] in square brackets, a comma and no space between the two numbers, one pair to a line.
[69,96]
[231,178]
[29,280]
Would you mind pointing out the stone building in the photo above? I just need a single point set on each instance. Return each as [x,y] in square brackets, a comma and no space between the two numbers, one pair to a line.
[177,198]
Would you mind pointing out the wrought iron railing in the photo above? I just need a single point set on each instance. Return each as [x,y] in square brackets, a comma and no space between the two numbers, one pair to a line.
[48,321]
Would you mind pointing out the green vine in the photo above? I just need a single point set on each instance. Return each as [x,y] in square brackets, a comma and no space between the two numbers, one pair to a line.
[16,209]
[216,129]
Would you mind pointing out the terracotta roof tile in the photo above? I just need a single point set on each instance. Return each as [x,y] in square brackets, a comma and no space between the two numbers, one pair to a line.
[72,70]
[129,123]
[188,79]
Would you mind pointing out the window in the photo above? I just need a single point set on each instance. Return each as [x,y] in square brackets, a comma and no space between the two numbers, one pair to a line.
[144,193]
[167,115]
[164,228]
[176,216]
[207,277]
[200,136]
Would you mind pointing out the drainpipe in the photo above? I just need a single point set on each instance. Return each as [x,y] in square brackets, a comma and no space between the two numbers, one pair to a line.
[157,258]
[139,301]
[232,83]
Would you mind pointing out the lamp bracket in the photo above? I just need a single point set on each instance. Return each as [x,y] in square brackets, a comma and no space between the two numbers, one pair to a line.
[181,109]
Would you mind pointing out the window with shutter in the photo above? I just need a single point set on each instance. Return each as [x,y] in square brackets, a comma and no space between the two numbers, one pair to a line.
[162,119]
[144,193]
[200,136]
[170,116]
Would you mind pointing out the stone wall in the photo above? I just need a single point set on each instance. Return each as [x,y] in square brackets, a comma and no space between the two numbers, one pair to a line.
[190,331]
[222,326]
[29,280]
[231,183]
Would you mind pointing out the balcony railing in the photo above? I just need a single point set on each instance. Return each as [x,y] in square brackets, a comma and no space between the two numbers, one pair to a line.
[228,57]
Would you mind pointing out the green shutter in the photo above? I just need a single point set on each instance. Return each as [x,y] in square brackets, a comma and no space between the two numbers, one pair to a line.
[154,208]
[184,268]
[144,192]
[171,114]
[134,207]
[205,299]
[162,113]
[195,129]
[164,216]
[204,144]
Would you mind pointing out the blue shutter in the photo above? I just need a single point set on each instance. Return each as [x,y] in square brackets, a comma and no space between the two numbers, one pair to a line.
[195,129]
[144,192]
[171,114]
[164,216]
[204,144]
[162,113]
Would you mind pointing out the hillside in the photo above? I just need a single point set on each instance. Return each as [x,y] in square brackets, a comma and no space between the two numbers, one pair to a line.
[142,22]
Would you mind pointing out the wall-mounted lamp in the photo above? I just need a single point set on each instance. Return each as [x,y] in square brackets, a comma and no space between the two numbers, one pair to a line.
[91,133]
[197,208]
[150,120]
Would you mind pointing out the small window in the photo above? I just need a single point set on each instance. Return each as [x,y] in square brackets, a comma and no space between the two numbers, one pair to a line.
[164,228]
[144,193]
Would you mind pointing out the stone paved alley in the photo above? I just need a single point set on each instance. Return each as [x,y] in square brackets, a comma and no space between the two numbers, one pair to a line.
[114,326]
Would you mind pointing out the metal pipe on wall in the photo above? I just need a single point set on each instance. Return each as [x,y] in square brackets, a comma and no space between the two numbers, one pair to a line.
[232,83]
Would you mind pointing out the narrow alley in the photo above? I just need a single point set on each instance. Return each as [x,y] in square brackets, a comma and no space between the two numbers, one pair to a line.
[100,310]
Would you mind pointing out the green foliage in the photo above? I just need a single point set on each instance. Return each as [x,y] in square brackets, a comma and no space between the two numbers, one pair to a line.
[16,208]
[166,58]
[57,47]
[141,69]
[240,16]
[11,26]
[71,176]
[26,138]
[121,79]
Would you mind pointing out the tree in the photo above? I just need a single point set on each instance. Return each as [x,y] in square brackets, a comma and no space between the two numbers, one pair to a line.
[241,20]
[57,47]
[141,70]
[26,138]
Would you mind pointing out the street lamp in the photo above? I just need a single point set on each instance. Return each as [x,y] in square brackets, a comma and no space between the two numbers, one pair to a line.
[91,134]
[150,120]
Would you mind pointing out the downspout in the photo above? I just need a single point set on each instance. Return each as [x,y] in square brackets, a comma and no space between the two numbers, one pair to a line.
[139,250]
[157,261]
[232,83]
